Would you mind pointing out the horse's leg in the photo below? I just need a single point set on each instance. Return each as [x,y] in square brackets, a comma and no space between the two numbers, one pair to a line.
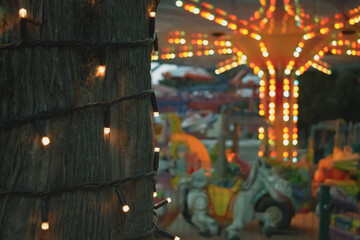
[243,214]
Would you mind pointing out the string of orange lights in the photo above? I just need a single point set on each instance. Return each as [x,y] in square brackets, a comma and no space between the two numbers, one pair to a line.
[46,195]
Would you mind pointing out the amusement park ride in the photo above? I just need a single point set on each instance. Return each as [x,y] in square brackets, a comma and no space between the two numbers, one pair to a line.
[280,41]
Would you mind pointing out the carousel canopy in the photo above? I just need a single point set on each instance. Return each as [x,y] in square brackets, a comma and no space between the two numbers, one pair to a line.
[228,33]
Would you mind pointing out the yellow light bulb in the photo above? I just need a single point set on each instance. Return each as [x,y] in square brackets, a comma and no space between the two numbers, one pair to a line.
[45,141]
[106,130]
[22,13]
[125,208]
[45,225]
[101,70]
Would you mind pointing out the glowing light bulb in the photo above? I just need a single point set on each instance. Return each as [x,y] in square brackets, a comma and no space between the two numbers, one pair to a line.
[154,194]
[168,200]
[101,70]
[106,130]
[152,14]
[45,225]
[179,3]
[224,23]
[176,238]
[22,13]
[45,141]
[261,136]
[125,208]
[260,73]
[157,149]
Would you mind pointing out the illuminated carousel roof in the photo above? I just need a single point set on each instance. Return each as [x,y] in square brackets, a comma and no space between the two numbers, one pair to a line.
[286,34]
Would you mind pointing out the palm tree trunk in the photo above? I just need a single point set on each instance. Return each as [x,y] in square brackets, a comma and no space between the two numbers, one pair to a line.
[39,79]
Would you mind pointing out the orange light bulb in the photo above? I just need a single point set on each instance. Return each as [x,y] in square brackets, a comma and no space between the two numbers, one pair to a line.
[22,13]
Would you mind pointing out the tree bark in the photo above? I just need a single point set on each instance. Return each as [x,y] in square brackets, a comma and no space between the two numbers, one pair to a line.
[45,78]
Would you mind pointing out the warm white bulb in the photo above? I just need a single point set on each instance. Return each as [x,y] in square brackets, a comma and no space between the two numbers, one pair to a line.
[22,13]
[45,225]
[179,3]
[125,208]
[101,70]
[176,238]
[168,200]
[45,141]
[157,149]
[152,14]
[156,114]
[154,194]
[106,130]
